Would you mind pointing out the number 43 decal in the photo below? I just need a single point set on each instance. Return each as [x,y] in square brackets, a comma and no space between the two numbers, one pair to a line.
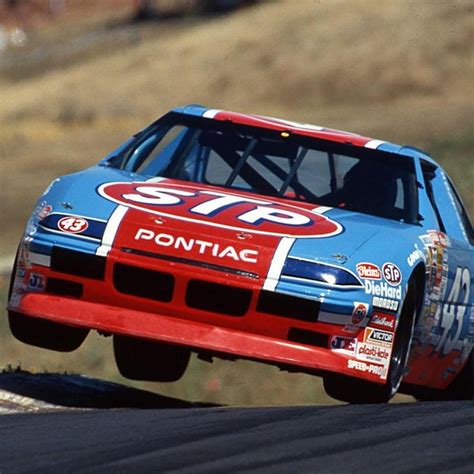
[454,310]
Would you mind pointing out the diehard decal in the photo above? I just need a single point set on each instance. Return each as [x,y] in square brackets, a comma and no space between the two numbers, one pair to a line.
[192,203]
[383,289]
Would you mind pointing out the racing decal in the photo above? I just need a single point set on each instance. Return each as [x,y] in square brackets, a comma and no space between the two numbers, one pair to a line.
[42,210]
[373,353]
[158,236]
[415,256]
[342,344]
[111,230]
[36,282]
[392,274]
[385,303]
[374,369]
[383,290]
[359,313]
[350,328]
[203,247]
[452,318]
[73,225]
[436,258]
[383,321]
[369,271]
[378,337]
[222,210]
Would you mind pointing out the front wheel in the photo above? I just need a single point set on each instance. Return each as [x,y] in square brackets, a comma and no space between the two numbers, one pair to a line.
[46,334]
[151,361]
[354,390]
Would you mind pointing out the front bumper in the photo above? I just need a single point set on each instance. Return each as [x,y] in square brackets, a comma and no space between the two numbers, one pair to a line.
[184,332]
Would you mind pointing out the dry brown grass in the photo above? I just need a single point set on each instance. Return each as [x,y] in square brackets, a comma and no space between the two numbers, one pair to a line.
[401,71]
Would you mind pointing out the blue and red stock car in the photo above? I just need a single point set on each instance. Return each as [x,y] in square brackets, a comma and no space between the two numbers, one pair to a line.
[241,236]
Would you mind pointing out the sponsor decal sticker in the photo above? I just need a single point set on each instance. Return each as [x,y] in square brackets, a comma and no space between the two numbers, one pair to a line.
[383,289]
[385,303]
[392,274]
[383,321]
[373,353]
[415,256]
[351,329]
[359,313]
[202,247]
[36,282]
[369,271]
[73,225]
[379,337]
[343,344]
[221,209]
[379,370]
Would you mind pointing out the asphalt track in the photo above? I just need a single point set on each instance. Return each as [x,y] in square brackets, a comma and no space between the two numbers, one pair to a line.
[416,437]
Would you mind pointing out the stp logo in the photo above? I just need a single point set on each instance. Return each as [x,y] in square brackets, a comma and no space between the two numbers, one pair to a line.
[392,274]
[73,225]
[216,208]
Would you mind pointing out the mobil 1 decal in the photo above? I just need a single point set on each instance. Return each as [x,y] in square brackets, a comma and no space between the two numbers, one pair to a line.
[214,207]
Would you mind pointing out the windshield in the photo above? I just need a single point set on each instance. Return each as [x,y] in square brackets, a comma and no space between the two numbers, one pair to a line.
[276,164]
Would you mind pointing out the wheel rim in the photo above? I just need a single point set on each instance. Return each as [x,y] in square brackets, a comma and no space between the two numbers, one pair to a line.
[402,343]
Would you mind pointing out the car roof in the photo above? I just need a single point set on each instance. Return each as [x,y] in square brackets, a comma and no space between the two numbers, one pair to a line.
[303,129]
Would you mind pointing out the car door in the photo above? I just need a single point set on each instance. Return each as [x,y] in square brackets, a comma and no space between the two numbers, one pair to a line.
[452,291]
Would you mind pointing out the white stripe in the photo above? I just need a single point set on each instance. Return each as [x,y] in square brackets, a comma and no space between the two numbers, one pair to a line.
[39,259]
[374,144]
[158,179]
[278,261]
[321,209]
[110,230]
[211,113]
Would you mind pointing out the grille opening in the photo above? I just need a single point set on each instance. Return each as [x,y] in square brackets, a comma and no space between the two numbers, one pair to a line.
[58,286]
[77,263]
[218,298]
[288,306]
[144,283]
[310,338]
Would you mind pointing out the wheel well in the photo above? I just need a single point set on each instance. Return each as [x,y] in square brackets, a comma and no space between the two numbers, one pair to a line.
[419,277]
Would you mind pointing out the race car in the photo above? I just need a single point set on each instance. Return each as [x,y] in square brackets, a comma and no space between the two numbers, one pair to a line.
[247,237]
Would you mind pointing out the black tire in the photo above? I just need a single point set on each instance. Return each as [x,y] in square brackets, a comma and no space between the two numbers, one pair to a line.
[41,332]
[46,334]
[461,388]
[354,390]
[151,361]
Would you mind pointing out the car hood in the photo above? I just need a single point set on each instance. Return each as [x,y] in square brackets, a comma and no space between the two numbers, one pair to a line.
[233,228]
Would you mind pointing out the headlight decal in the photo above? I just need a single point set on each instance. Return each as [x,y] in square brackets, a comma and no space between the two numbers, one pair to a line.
[321,273]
